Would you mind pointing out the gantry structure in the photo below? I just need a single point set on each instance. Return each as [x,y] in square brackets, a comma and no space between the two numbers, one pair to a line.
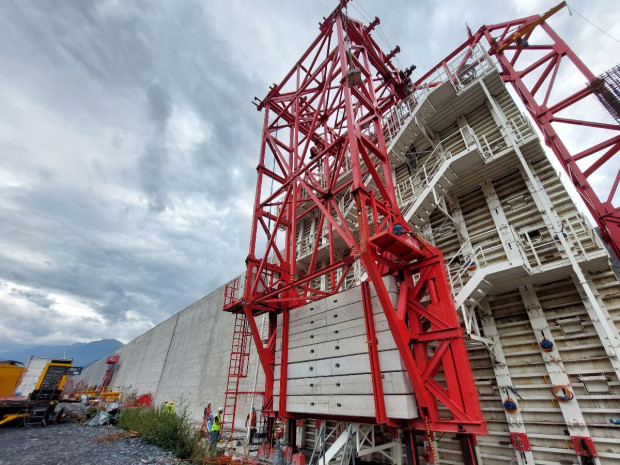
[387,205]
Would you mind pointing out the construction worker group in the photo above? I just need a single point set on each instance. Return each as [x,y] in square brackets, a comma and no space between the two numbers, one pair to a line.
[169,407]
[212,424]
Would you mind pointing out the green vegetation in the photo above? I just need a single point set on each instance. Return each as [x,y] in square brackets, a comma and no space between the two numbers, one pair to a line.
[170,431]
[90,411]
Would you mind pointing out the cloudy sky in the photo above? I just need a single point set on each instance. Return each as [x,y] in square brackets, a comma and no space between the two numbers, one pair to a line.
[128,142]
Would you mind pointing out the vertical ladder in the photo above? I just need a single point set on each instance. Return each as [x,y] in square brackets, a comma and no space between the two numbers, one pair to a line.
[107,377]
[237,369]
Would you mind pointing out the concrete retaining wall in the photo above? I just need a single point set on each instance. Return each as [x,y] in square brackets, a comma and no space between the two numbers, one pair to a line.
[184,359]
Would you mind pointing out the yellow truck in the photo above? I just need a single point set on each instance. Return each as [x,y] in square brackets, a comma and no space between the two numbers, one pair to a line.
[36,393]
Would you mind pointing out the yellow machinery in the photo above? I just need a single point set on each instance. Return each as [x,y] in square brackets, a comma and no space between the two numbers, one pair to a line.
[10,374]
[40,404]
[106,394]
[110,394]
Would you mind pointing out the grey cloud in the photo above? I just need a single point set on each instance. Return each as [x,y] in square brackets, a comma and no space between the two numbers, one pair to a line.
[40,299]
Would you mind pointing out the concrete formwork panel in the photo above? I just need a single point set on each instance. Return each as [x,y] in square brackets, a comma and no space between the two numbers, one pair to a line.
[396,406]
[328,368]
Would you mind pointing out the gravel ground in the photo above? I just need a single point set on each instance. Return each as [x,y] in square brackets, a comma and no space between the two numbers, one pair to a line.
[72,443]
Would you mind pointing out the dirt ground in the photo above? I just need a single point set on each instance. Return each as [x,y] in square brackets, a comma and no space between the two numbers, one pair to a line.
[75,444]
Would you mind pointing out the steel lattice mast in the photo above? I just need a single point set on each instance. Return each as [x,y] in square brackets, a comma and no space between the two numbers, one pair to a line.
[323,152]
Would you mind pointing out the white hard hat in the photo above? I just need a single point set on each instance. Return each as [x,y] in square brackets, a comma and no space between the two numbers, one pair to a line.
[221,409]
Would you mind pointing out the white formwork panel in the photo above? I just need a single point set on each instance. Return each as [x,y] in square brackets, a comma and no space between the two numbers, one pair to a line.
[396,406]
[333,385]
[314,308]
[395,382]
[308,318]
[335,332]
[328,369]
[337,348]
[389,360]
[334,345]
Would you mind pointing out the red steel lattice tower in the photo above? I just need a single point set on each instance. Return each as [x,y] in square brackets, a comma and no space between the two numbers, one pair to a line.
[323,153]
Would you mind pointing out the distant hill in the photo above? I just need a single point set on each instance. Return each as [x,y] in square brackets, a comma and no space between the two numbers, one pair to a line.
[83,354]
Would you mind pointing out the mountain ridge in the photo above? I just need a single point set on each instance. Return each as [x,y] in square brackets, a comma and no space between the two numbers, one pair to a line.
[82,353]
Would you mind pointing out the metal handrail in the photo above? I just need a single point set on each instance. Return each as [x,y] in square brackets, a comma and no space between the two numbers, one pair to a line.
[459,252]
[422,178]
[477,257]
[521,126]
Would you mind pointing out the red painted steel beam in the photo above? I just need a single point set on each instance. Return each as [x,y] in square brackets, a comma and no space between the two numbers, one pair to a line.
[284,365]
[322,149]
[373,354]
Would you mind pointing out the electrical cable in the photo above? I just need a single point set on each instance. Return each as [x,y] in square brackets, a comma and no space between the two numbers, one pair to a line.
[368,17]
[430,440]
[568,395]
[571,10]
[553,359]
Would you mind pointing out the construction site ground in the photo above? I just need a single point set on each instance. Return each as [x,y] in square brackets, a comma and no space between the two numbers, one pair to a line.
[73,443]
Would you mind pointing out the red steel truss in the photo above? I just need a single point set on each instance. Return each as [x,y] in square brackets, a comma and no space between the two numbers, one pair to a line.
[529,54]
[323,155]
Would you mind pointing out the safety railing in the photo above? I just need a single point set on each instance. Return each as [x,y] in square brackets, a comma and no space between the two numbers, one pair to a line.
[521,128]
[465,260]
[580,232]
[231,291]
[421,178]
[544,248]
[444,229]
[468,256]
[354,276]
[464,69]
[521,248]
[454,142]
[540,249]
[346,204]
[490,147]
[305,245]
[393,120]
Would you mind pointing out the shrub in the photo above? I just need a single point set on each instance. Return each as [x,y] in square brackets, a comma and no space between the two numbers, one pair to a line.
[170,431]
[90,411]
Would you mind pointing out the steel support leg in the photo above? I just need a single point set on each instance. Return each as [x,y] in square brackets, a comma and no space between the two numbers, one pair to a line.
[468,448]
[411,447]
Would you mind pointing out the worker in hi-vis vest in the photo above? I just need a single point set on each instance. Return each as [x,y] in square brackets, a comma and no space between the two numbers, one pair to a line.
[216,429]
